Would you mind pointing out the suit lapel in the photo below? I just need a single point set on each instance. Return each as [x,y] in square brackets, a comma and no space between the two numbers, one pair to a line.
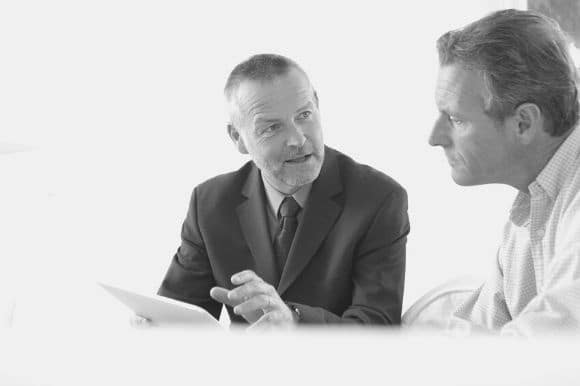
[320,213]
[253,221]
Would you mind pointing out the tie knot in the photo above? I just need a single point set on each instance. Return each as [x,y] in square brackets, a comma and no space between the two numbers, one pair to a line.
[289,207]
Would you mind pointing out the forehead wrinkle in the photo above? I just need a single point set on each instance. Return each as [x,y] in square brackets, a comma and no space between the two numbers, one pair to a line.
[243,109]
[256,106]
[265,97]
[457,92]
[309,103]
[294,101]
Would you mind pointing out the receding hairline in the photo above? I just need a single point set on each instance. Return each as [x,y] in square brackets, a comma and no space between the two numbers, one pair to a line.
[232,87]
[260,67]
[486,94]
[231,94]
[265,81]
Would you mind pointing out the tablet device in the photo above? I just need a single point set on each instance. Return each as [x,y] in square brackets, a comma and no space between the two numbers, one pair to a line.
[161,310]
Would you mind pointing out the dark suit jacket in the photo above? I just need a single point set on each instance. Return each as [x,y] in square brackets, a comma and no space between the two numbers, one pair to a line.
[347,262]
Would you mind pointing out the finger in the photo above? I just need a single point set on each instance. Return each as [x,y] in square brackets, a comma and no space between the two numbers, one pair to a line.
[249,290]
[244,277]
[139,321]
[136,319]
[255,304]
[221,295]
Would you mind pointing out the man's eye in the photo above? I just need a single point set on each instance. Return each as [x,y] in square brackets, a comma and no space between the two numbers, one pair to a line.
[305,114]
[454,121]
[271,128]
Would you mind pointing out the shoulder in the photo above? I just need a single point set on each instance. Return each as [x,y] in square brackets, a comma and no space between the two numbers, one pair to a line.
[224,186]
[569,194]
[566,209]
[568,198]
[372,199]
[364,180]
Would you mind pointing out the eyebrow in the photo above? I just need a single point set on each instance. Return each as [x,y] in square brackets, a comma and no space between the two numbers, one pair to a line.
[259,119]
[307,105]
[444,110]
[266,120]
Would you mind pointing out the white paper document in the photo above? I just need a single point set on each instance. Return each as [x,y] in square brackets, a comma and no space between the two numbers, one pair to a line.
[161,310]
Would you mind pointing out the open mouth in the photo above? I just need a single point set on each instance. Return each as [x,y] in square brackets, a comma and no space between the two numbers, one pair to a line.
[299,160]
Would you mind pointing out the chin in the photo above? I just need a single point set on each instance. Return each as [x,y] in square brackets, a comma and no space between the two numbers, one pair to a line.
[297,181]
[465,179]
[298,178]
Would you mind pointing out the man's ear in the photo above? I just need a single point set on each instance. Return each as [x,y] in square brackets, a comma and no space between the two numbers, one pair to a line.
[237,139]
[528,122]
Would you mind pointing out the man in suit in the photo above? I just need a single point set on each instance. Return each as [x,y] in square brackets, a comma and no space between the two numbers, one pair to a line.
[301,233]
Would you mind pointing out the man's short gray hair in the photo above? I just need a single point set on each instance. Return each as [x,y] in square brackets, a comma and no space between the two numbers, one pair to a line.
[261,67]
[524,58]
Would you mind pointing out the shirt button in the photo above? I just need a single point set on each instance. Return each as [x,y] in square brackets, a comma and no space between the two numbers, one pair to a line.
[540,232]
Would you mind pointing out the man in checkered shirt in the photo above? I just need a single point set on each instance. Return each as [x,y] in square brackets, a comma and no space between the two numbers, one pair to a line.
[507,92]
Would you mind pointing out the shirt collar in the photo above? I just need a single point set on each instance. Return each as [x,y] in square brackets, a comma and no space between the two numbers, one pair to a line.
[551,179]
[520,210]
[275,198]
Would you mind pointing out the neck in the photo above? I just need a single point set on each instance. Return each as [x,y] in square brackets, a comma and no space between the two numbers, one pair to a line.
[537,161]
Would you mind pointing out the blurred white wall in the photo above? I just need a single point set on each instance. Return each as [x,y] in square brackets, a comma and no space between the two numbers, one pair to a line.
[121,102]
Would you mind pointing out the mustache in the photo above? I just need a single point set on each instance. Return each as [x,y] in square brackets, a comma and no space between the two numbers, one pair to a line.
[297,152]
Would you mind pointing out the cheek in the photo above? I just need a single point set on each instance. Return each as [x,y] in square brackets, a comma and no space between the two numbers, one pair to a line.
[466,150]
[481,154]
[313,130]
[272,149]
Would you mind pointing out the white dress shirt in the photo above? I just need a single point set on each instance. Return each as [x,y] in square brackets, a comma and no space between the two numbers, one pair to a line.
[534,286]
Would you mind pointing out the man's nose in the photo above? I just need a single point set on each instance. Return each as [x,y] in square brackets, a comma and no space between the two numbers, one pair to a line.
[439,133]
[296,135]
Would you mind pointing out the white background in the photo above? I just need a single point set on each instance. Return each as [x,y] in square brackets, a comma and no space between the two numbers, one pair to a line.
[120,104]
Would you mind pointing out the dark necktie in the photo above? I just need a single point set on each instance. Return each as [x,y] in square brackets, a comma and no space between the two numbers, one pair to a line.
[288,224]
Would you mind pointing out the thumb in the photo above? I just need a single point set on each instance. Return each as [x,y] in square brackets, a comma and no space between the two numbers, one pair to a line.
[220,294]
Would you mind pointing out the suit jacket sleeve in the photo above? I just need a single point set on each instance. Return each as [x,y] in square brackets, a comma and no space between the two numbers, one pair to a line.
[378,270]
[189,277]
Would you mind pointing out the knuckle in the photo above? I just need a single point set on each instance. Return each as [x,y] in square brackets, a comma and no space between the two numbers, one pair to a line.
[254,286]
[270,289]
